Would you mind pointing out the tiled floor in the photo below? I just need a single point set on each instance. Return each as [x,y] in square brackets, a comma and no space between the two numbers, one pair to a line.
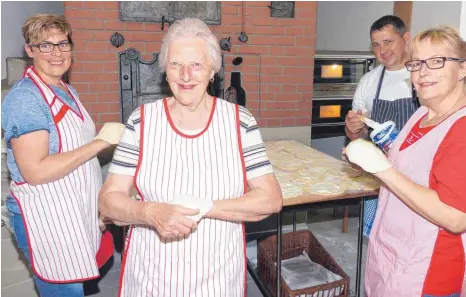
[17,279]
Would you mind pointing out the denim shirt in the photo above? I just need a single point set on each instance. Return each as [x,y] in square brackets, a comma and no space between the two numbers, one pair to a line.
[24,110]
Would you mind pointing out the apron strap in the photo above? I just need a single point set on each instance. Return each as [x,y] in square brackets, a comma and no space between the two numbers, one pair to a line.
[61,113]
[379,85]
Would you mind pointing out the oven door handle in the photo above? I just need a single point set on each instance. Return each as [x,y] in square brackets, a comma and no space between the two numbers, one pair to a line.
[328,124]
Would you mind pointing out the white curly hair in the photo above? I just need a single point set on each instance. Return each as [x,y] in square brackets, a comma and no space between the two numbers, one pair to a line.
[191,27]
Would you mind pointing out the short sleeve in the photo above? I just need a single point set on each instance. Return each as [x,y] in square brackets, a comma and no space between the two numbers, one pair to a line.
[126,156]
[449,167]
[24,111]
[255,157]
[359,99]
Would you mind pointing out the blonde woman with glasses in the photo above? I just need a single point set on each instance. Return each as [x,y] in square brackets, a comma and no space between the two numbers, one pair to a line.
[55,174]
[418,244]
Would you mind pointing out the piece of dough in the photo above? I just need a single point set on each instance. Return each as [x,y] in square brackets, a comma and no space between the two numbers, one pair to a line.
[204,205]
[367,155]
[111,132]
[326,189]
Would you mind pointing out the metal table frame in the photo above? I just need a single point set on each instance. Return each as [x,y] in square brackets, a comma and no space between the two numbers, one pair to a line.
[301,207]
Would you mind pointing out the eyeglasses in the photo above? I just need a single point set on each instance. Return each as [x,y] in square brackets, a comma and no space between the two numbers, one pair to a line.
[48,47]
[431,63]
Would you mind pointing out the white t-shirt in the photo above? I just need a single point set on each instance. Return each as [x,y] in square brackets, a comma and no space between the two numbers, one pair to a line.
[396,84]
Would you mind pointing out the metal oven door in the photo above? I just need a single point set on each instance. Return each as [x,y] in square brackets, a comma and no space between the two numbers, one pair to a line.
[328,125]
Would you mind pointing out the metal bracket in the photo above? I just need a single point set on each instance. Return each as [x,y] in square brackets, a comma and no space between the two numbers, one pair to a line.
[117,39]
[281,9]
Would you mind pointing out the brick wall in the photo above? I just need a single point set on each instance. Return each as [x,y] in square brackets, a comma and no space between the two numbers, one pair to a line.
[277,59]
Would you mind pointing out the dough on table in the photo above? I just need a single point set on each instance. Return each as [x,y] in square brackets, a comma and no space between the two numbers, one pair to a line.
[287,165]
[351,172]
[305,155]
[286,144]
[326,189]
[290,190]
[283,176]
[304,176]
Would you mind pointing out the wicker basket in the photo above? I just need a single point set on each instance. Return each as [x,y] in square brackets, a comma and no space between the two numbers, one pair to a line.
[293,244]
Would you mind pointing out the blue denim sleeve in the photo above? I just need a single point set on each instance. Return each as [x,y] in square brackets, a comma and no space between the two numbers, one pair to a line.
[23,111]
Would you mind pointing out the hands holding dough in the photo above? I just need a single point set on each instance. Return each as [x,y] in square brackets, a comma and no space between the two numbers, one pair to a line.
[367,155]
[204,205]
[111,132]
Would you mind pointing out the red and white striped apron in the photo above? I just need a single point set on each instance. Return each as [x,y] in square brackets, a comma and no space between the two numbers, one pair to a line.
[210,165]
[61,217]
[402,242]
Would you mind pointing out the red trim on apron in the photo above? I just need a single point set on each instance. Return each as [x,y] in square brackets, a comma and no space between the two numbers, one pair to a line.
[170,120]
[56,97]
[126,246]
[246,189]
[61,114]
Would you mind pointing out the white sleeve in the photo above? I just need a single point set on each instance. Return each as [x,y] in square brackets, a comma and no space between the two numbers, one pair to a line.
[126,156]
[359,100]
[255,156]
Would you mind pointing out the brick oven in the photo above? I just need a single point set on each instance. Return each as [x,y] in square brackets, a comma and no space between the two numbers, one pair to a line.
[277,60]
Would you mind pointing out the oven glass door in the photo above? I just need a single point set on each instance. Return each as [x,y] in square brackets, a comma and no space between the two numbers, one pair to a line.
[330,111]
[328,117]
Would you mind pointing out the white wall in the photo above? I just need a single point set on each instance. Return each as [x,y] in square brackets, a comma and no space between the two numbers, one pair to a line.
[14,14]
[433,13]
[463,20]
[345,25]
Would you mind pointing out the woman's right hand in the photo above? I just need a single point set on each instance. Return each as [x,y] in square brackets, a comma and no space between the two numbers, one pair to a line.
[169,220]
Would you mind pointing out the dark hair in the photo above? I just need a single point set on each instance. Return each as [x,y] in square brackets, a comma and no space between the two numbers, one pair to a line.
[388,20]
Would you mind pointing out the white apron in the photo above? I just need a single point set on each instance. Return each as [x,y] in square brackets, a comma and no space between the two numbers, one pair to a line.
[211,260]
[61,217]
[402,242]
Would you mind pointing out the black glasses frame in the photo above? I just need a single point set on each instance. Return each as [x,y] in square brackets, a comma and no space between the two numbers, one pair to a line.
[434,58]
[53,48]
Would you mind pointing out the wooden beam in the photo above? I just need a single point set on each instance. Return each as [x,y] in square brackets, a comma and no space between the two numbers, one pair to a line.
[404,10]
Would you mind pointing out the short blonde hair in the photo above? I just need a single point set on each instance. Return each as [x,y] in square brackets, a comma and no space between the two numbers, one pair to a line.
[35,26]
[191,27]
[445,36]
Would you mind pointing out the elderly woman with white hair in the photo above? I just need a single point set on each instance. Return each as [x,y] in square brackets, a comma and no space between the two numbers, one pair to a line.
[200,169]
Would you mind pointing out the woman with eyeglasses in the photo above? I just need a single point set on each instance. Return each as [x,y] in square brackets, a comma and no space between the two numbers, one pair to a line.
[418,244]
[55,174]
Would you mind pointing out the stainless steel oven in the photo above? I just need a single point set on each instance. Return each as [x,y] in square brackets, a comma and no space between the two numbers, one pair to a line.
[336,76]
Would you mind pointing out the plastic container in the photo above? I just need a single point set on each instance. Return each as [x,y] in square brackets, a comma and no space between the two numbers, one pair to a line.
[385,135]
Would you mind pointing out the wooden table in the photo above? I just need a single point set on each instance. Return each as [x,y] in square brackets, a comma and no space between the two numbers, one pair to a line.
[312,179]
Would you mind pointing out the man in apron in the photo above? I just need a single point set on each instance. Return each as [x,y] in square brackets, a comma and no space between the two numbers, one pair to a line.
[385,93]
